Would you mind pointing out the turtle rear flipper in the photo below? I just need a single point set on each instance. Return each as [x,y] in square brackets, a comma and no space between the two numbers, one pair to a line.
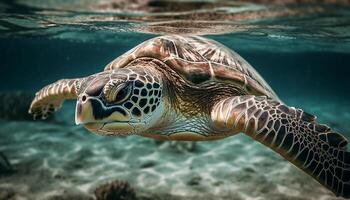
[294,134]
[50,98]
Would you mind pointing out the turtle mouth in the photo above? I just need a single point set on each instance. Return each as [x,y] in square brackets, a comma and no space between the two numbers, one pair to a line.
[91,111]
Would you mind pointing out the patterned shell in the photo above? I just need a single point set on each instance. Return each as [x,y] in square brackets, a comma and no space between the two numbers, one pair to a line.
[198,60]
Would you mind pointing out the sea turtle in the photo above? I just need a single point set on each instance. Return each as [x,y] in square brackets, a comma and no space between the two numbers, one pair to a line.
[192,88]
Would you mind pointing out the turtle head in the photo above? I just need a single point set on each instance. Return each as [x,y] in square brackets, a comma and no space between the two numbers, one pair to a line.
[120,102]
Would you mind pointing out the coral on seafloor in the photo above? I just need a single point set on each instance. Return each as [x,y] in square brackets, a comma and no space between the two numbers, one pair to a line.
[115,190]
[14,105]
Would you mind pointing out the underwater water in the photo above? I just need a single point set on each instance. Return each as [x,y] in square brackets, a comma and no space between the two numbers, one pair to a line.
[301,50]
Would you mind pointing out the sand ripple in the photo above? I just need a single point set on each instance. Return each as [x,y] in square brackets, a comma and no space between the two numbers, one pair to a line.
[53,158]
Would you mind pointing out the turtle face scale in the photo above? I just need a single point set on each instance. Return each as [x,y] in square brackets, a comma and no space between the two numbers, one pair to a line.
[121,102]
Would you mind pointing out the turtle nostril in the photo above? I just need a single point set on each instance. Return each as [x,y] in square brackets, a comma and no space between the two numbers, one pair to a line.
[83,98]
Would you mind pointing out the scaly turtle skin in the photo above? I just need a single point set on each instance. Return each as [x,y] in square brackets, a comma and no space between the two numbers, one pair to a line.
[192,88]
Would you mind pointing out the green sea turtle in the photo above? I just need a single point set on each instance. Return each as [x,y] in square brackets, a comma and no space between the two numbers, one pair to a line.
[192,88]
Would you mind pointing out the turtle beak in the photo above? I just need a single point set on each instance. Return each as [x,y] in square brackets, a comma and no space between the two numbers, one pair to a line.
[93,114]
[83,111]
[84,114]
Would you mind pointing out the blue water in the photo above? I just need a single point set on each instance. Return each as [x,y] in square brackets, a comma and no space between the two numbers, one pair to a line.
[291,73]
[305,58]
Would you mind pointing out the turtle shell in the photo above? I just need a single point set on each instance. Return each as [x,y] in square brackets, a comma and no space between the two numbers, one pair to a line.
[198,60]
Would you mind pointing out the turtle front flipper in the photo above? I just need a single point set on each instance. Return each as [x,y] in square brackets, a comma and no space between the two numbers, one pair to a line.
[50,98]
[292,133]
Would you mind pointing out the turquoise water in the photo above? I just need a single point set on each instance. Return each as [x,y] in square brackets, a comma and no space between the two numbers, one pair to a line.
[301,50]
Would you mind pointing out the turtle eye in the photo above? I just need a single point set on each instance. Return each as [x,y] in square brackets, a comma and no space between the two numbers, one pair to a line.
[116,92]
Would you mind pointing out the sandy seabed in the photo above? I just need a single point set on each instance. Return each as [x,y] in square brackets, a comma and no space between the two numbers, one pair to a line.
[58,160]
